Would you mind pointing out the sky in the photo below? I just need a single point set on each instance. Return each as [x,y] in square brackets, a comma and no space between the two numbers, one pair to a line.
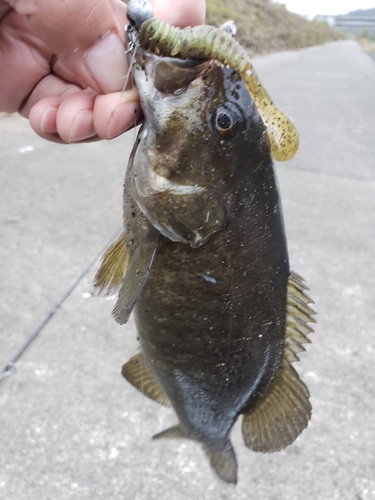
[314,7]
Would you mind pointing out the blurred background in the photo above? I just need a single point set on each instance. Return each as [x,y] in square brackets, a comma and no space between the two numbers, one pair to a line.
[265,26]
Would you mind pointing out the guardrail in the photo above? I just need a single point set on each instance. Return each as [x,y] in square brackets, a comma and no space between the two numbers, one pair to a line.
[355,25]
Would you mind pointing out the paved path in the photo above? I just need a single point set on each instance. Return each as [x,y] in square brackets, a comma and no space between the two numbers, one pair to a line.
[70,427]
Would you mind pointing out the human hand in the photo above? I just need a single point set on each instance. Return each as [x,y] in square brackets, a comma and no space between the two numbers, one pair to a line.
[63,64]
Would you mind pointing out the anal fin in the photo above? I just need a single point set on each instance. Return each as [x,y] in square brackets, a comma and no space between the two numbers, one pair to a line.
[110,274]
[137,373]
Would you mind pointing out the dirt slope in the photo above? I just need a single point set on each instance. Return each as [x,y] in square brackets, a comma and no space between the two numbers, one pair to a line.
[263,26]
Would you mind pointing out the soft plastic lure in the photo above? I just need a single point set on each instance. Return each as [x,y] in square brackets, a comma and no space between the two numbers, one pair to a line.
[209,42]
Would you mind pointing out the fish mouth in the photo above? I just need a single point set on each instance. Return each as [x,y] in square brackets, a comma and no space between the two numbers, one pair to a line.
[169,74]
[156,184]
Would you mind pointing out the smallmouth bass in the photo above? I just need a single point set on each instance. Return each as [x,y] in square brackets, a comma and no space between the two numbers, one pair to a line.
[203,263]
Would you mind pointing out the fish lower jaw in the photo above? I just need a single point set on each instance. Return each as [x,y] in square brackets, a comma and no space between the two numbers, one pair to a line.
[153,183]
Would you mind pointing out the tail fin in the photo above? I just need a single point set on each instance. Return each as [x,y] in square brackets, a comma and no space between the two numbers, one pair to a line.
[170,433]
[224,462]
[222,459]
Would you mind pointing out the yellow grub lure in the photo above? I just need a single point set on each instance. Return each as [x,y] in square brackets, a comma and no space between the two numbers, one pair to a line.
[209,42]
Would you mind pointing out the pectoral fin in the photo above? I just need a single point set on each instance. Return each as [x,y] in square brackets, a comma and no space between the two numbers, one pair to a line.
[112,269]
[137,373]
[137,271]
[283,410]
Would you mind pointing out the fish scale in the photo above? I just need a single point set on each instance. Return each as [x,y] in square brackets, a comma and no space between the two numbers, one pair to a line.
[203,263]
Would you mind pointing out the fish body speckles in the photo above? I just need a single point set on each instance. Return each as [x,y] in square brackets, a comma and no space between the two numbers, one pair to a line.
[204,265]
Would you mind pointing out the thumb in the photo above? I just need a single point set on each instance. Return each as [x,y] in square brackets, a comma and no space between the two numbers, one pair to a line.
[180,12]
[86,37]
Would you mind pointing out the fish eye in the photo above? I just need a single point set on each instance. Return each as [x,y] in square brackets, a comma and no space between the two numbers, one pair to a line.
[227,119]
[223,121]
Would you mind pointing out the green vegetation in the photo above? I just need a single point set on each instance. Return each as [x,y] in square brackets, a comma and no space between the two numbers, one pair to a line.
[367,42]
[366,38]
[263,26]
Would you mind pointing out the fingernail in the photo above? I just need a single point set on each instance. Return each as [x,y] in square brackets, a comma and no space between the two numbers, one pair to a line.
[82,127]
[107,63]
[48,120]
[125,115]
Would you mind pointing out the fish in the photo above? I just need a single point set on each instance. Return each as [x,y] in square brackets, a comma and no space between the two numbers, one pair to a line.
[202,263]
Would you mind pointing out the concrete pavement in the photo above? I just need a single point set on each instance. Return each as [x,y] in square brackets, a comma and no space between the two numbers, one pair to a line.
[70,427]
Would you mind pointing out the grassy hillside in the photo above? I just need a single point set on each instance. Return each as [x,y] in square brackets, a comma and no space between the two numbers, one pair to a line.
[263,26]
[368,45]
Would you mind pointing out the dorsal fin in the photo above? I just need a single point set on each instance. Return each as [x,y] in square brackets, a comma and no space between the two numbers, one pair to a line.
[281,414]
[299,313]
[283,410]
[137,373]
[110,274]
